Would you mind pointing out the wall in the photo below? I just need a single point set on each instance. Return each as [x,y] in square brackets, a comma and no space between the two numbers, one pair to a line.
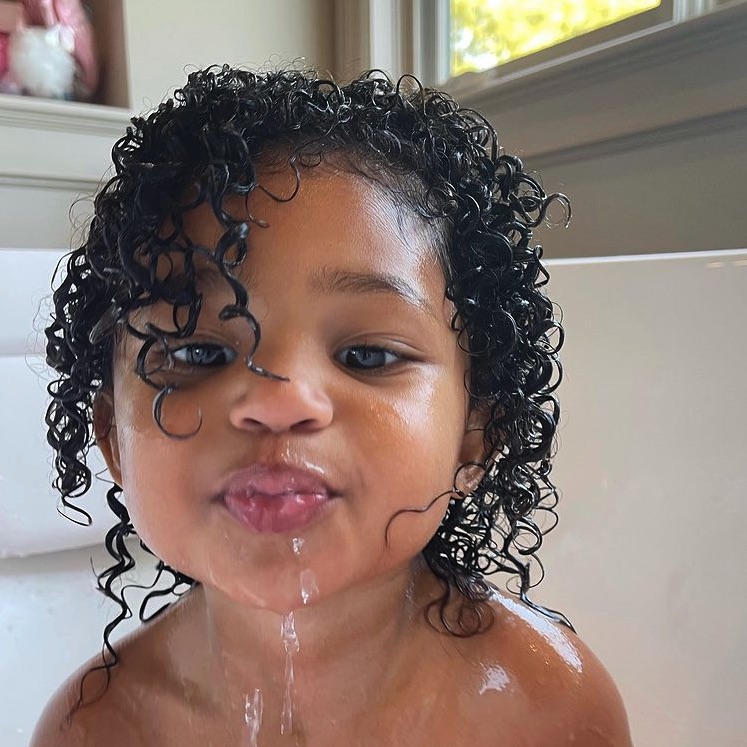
[164,37]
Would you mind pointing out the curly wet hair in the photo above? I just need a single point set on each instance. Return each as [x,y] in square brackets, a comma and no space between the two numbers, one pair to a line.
[436,160]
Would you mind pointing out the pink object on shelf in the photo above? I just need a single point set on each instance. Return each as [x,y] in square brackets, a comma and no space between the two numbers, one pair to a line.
[39,13]
[40,63]
[10,16]
[4,61]
[3,53]
[7,84]
[74,24]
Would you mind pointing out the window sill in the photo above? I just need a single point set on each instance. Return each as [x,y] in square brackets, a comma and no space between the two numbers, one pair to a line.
[56,144]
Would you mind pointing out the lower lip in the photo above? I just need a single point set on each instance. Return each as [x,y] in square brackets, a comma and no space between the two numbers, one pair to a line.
[275,514]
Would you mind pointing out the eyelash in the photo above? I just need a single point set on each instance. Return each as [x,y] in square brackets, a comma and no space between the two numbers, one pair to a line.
[205,355]
[206,349]
[367,350]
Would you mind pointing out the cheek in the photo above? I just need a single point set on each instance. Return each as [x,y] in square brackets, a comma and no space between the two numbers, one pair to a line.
[422,429]
[154,474]
[145,473]
[164,505]
[431,421]
[412,446]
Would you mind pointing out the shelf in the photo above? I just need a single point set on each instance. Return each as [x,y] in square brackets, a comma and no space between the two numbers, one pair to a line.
[64,116]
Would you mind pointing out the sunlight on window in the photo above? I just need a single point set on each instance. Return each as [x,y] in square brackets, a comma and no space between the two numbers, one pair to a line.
[486,33]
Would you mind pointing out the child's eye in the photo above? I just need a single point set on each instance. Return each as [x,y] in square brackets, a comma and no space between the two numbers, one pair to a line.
[203,355]
[367,357]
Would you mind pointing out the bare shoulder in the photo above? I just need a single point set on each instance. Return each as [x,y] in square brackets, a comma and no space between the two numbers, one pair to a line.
[83,711]
[95,706]
[128,705]
[561,687]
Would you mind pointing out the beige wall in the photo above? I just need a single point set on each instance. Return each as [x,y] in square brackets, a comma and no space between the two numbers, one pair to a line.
[686,194]
[165,36]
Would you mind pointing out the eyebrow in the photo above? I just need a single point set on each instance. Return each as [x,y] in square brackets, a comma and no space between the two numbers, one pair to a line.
[325,280]
[328,281]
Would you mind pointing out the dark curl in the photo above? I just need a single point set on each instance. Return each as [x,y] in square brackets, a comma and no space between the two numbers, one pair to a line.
[444,164]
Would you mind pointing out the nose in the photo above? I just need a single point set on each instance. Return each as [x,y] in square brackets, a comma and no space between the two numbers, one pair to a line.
[296,402]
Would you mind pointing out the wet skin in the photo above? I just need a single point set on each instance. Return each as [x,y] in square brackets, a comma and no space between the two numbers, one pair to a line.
[374,405]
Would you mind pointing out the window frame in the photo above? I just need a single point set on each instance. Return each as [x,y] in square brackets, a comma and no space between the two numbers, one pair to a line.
[583,43]
[412,36]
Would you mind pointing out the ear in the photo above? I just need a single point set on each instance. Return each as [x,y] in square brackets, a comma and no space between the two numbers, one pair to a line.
[105,429]
[472,454]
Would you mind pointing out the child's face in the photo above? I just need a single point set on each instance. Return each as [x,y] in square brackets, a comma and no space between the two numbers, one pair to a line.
[381,431]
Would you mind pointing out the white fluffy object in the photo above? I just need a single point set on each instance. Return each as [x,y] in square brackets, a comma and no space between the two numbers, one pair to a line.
[40,63]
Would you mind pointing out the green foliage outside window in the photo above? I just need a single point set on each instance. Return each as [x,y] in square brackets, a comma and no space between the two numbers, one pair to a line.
[485,33]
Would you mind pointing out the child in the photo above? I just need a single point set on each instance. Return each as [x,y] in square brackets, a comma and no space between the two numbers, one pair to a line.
[307,332]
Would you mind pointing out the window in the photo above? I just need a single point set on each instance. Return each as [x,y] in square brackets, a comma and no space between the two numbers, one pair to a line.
[416,36]
[486,33]
[506,37]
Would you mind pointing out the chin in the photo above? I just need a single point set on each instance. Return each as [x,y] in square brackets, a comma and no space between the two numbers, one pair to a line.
[280,598]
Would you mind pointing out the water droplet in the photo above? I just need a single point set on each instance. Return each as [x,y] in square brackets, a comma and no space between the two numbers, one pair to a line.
[253,716]
[297,544]
[288,631]
[309,589]
[410,603]
[494,678]
[291,646]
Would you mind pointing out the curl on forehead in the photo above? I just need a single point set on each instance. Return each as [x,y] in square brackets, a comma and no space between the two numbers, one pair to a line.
[203,237]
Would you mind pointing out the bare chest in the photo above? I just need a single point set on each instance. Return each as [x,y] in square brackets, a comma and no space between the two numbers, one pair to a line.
[445,716]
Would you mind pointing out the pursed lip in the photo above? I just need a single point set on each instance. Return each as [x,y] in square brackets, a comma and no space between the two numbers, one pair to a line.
[276,498]
[277,480]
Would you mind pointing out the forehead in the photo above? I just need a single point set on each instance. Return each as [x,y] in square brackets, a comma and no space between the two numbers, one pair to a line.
[327,218]
[323,197]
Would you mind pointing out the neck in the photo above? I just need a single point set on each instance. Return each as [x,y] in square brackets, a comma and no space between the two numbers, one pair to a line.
[339,655]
